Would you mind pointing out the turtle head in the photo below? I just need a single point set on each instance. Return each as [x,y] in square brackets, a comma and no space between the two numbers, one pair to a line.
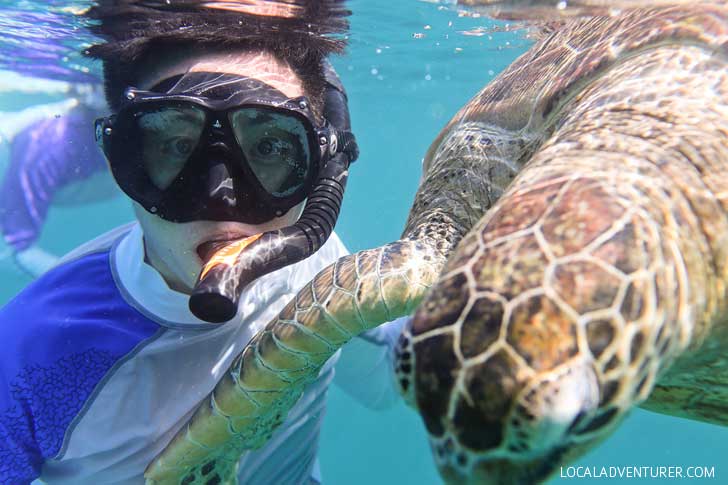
[506,377]
[491,419]
[524,432]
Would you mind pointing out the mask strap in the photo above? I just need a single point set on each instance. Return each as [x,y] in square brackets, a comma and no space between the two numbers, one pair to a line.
[336,103]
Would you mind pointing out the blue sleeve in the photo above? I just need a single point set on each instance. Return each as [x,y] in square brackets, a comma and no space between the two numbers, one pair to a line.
[20,461]
[61,336]
[364,370]
[40,406]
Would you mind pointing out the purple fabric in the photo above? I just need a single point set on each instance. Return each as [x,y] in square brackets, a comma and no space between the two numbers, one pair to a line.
[43,159]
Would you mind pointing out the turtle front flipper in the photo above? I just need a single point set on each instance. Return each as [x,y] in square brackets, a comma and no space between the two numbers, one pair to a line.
[356,293]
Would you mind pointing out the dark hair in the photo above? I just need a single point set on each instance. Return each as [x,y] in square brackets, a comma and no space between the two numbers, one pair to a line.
[136,32]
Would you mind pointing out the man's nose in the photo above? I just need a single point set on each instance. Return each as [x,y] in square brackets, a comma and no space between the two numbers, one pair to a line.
[220,183]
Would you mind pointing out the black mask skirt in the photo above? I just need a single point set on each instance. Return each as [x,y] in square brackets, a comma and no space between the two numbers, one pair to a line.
[216,147]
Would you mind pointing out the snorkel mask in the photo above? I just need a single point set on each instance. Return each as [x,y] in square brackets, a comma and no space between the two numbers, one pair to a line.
[221,147]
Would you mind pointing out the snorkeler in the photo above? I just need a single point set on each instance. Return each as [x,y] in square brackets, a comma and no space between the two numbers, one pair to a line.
[220,131]
[52,159]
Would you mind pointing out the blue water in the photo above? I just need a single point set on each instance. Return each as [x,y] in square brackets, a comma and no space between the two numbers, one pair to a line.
[409,68]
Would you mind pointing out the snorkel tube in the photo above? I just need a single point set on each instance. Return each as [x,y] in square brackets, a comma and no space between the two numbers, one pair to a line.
[230,269]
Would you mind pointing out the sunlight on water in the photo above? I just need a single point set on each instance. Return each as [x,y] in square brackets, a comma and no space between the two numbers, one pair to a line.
[554,9]
[44,39]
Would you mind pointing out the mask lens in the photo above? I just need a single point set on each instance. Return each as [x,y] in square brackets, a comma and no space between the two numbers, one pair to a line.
[276,148]
[168,136]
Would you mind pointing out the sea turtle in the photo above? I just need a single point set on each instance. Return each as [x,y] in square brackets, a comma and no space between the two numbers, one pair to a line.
[598,280]
[597,283]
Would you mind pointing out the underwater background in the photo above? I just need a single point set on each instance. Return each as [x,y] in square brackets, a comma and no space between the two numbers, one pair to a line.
[410,66]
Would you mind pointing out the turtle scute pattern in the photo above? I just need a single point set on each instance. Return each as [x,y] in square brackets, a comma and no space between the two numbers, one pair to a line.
[601,272]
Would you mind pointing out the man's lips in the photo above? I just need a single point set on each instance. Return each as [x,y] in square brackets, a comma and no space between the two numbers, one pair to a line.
[208,248]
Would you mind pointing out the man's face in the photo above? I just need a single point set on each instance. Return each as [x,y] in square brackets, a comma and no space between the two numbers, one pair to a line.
[171,248]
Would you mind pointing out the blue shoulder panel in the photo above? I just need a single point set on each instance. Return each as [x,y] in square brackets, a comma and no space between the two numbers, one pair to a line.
[61,336]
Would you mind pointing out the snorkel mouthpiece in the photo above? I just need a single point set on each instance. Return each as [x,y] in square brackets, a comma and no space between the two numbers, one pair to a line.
[231,268]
